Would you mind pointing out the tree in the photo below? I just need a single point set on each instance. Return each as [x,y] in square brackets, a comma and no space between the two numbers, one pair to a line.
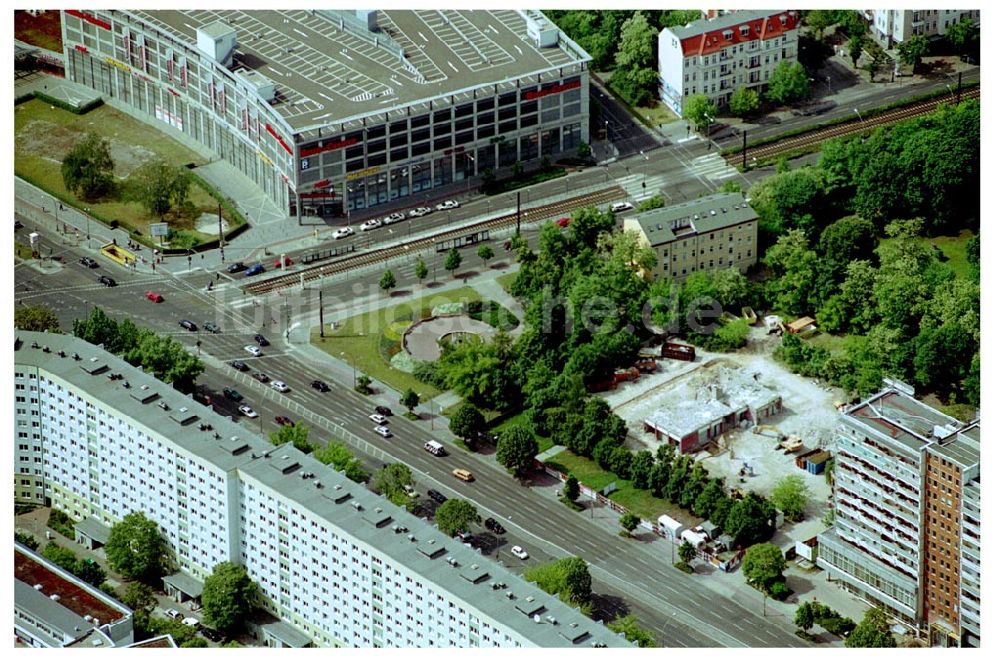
[750,520]
[455,515]
[854,49]
[467,422]
[98,329]
[36,318]
[789,83]
[89,571]
[634,77]
[569,578]
[642,465]
[873,66]
[297,435]
[228,596]
[410,399]
[516,450]
[629,522]
[745,102]
[571,489]
[138,596]
[582,151]
[485,252]
[804,618]
[686,551]
[700,112]
[136,549]
[387,281]
[963,35]
[912,51]
[390,482]
[453,261]
[88,169]
[158,186]
[420,270]
[64,558]
[27,540]
[196,642]
[791,496]
[872,632]
[363,384]
[763,564]
[709,496]
[629,627]
[339,457]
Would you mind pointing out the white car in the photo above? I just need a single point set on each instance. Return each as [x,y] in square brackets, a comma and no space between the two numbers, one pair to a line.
[371,224]
[190,621]
[447,205]
[619,206]
[410,492]
[419,212]
[378,418]
[255,351]
[247,410]
[383,430]
[392,218]
[519,553]
[343,232]
[174,614]
[281,387]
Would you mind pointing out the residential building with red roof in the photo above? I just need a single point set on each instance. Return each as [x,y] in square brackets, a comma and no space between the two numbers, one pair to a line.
[717,56]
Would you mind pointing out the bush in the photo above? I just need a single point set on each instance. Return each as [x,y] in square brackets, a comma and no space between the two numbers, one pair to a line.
[779,590]
[683,566]
[26,540]
[61,523]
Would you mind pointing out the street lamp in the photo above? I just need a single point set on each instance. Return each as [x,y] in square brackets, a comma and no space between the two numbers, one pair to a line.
[469,163]
[859,114]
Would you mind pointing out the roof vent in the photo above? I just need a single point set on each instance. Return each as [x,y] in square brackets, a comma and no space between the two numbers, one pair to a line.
[510,595]
[551,619]
[54,597]
[723,210]
[411,537]
[76,357]
[317,484]
[529,599]
[162,405]
[46,349]
[696,216]
[218,436]
[183,409]
[234,438]
[87,618]
[38,586]
[34,345]
[253,456]
[127,385]
[713,212]
[62,354]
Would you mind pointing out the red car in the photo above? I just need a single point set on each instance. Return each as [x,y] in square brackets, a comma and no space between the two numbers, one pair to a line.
[563,222]
[288,262]
[154,296]
[283,421]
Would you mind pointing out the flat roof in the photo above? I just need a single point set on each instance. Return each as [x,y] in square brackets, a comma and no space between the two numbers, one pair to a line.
[413,544]
[176,417]
[189,585]
[698,216]
[286,633]
[325,73]
[903,419]
[94,529]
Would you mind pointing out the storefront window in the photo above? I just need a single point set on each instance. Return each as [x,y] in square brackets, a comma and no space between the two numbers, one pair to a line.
[421,176]
[399,183]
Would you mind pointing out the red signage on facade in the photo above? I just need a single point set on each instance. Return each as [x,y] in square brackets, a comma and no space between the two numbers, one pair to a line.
[545,92]
[277,137]
[89,18]
[336,145]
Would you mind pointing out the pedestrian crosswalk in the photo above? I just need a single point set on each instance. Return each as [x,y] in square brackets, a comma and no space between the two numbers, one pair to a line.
[633,185]
[713,167]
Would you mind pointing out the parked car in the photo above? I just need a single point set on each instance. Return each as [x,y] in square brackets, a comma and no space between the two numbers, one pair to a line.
[620,206]
[203,398]
[447,205]
[154,296]
[188,324]
[495,527]
[248,411]
[174,614]
[320,385]
[519,553]
[232,394]
[211,634]
[371,224]
[236,267]
[17,224]
[256,269]
[383,410]
[343,232]
[410,492]
[383,430]
[392,218]
[261,340]
[255,351]
[288,262]
[420,211]
[261,377]
[107,281]
[88,262]
[280,386]
[190,622]
[378,418]
[436,496]
[283,420]
[240,365]
[464,537]
[212,327]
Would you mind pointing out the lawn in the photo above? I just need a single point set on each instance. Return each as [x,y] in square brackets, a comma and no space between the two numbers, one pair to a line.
[953,249]
[521,418]
[22,251]
[832,343]
[640,502]
[44,134]
[507,280]
[366,340]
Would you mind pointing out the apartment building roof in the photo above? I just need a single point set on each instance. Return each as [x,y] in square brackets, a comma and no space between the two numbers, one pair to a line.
[961,448]
[699,216]
[178,418]
[909,422]
[708,36]
[413,544]
[164,641]
[328,66]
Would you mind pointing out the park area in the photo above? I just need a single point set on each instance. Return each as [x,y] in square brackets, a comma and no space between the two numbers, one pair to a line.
[44,134]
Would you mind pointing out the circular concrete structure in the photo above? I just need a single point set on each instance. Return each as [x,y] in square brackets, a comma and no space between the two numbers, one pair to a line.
[422,339]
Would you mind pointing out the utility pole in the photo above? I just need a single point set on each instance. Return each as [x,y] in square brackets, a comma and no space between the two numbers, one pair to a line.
[221,240]
[744,150]
[321,334]
[958,90]
[518,214]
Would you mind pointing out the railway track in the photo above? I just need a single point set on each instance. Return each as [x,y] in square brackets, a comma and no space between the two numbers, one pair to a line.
[359,260]
[843,129]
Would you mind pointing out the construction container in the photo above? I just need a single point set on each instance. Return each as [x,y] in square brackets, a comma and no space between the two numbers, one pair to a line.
[677,351]
[815,464]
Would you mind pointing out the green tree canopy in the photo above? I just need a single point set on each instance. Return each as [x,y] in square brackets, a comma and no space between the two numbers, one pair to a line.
[790,495]
[485,252]
[452,261]
[88,168]
[390,482]
[387,281]
[855,47]
[745,102]
[569,578]
[420,269]
[410,399]
[158,186]
[913,50]
[629,521]
[138,596]
[467,422]
[700,112]
[571,489]
[454,516]
[516,449]
[789,83]
[36,318]
[872,632]
[136,549]
[750,520]
[629,627]
[686,551]
[297,435]
[762,564]
[804,616]
[338,456]
[228,597]
[963,35]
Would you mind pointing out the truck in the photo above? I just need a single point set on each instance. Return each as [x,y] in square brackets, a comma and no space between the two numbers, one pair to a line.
[677,351]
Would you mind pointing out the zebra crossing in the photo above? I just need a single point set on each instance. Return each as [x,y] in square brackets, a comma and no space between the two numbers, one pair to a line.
[632,184]
[713,167]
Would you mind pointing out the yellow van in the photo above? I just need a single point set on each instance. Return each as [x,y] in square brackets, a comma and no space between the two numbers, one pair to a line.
[463,474]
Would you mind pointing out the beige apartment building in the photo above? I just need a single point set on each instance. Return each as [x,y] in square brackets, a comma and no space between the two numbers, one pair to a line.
[710,233]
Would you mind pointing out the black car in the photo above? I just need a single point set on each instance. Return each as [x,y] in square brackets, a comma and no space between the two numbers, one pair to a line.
[188,324]
[240,365]
[107,281]
[261,340]
[494,526]
[261,377]
[211,634]
[384,411]
[17,224]
[237,267]
[212,327]
[320,385]
[232,394]
[88,262]
[436,496]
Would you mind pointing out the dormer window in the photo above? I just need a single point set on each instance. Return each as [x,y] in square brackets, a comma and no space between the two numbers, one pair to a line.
[744,30]
[728,34]
[783,19]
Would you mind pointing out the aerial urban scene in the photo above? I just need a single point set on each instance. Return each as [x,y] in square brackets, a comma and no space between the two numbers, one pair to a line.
[496,328]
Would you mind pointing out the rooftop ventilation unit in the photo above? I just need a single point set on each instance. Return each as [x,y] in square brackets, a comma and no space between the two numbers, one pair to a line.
[317,484]
[76,357]
[541,31]
[257,82]
[62,354]
[713,212]
[217,40]
[38,586]
[510,595]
